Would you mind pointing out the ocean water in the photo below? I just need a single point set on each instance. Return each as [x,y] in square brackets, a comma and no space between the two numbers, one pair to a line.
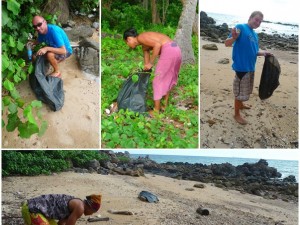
[285,167]
[270,27]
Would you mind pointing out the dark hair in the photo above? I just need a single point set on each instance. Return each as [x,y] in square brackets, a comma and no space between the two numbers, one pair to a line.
[131,32]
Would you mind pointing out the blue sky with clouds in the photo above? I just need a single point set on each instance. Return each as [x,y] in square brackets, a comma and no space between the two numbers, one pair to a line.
[273,10]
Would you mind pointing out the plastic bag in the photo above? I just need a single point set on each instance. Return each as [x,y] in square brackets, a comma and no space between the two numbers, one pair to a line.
[47,89]
[132,96]
[269,80]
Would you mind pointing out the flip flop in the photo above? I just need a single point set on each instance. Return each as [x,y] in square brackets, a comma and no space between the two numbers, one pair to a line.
[56,74]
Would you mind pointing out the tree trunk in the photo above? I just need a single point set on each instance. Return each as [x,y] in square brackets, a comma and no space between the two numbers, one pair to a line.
[196,25]
[165,9]
[155,14]
[183,35]
[145,4]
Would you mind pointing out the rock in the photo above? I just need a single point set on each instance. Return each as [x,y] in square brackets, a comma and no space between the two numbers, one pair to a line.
[291,179]
[199,185]
[223,61]
[94,164]
[78,33]
[202,211]
[210,47]
[88,56]
[190,189]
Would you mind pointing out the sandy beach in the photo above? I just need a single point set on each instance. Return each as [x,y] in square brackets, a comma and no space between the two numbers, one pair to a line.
[76,125]
[177,203]
[272,123]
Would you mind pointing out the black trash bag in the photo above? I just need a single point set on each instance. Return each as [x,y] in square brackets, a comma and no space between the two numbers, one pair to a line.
[148,197]
[269,80]
[47,89]
[132,96]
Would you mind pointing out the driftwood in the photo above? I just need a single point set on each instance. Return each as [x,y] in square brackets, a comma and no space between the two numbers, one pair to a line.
[96,219]
[122,212]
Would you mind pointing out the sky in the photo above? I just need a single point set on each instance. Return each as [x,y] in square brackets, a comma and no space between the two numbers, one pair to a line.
[273,10]
[281,154]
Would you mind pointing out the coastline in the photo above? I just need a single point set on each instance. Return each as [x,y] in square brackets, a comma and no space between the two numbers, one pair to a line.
[177,201]
[273,123]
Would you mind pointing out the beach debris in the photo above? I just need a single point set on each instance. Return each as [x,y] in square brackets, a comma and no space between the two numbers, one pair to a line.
[120,212]
[199,185]
[202,211]
[148,197]
[96,219]
[223,61]
[190,189]
[211,122]
[210,47]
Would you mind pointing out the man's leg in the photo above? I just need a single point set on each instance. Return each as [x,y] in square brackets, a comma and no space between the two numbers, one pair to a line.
[238,105]
[50,56]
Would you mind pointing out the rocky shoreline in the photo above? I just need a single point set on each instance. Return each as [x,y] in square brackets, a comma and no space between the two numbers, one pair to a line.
[257,179]
[211,32]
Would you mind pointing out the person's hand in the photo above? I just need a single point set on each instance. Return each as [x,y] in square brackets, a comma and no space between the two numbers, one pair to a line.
[42,51]
[268,54]
[148,66]
[235,32]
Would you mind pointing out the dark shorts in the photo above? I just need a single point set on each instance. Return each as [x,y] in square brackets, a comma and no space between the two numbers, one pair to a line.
[243,85]
[62,57]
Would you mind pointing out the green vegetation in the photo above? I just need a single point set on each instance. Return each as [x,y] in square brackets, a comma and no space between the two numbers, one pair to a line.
[177,127]
[31,163]
[17,113]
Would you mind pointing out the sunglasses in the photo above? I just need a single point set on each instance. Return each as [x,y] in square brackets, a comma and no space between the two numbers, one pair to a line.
[38,25]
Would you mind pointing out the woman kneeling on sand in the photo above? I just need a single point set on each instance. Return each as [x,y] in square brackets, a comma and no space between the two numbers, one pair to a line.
[168,65]
[45,209]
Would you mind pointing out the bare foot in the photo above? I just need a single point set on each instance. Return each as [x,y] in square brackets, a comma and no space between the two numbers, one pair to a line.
[153,113]
[245,106]
[240,120]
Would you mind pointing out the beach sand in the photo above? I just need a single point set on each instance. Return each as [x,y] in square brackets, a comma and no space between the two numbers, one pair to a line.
[76,125]
[176,205]
[272,123]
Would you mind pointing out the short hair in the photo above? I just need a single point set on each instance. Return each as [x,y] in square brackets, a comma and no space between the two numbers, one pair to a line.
[256,13]
[131,32]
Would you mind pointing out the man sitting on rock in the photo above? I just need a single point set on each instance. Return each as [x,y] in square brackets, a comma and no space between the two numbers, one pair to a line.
[45,209]
[58,45]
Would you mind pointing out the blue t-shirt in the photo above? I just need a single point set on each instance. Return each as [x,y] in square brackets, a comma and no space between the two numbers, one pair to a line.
[245,49]
[56,38]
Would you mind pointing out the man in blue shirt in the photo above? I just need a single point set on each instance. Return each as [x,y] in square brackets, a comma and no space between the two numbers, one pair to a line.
[244,40]
[58,45]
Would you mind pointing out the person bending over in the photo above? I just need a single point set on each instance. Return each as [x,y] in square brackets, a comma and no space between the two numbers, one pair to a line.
[46,209]
[158,45]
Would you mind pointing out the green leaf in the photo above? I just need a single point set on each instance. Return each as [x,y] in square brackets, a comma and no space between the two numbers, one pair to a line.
[13,6]
[13,122]
[11,41]
[36,103]
[20,46]
[30,68]
[15,94]
[27,129]
[20,102]
[135,78]
[28,114]
[8,85]
[5,62]
[5,17]
[17,79]
[13,108]
[6,100]
[43,128]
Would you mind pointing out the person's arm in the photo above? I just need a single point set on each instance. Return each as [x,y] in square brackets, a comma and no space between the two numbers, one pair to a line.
[147,58]
[263,53]
[77,210]
[234,35]
[60,51]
